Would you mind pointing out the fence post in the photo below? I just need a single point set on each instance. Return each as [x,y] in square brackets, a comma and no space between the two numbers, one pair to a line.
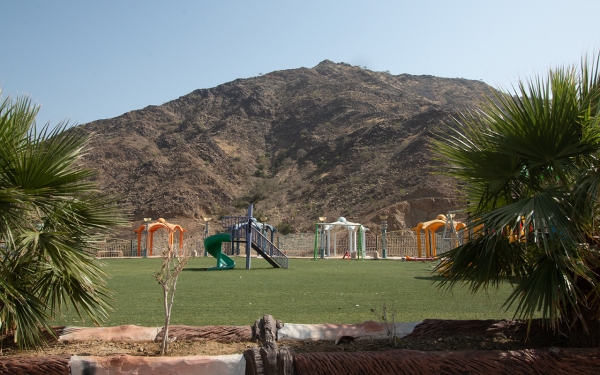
[249,237]
[383,239]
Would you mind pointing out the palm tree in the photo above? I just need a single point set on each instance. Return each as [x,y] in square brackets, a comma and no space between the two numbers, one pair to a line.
[49,213]
[528,161]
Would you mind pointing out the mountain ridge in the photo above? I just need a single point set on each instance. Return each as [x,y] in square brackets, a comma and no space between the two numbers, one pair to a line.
[332,140]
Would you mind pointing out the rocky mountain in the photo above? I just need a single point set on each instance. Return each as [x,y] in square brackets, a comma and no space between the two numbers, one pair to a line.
[333,140]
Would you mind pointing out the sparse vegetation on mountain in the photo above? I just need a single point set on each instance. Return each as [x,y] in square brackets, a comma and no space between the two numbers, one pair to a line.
[333,140]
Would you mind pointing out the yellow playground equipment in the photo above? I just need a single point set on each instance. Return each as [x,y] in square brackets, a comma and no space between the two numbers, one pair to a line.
[429,228]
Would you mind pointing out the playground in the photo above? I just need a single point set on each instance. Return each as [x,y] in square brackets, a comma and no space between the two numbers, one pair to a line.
[327,288]
[340,238]
[324,291]
[341,294]
[214,311]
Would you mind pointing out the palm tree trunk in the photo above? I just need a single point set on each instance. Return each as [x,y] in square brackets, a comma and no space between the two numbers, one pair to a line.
[585,333]
[582,338]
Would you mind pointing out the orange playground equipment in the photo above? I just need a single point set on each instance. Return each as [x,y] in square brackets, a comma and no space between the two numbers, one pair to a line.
[153,227]
[429,228]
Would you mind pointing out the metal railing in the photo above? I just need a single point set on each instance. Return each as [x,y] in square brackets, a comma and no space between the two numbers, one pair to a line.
[237,226]
[400,243]
[262,242]
[117,249]
[235,222]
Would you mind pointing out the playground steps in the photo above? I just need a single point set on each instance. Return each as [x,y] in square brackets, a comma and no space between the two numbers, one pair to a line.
[270,252]
[259,242]
[266,256]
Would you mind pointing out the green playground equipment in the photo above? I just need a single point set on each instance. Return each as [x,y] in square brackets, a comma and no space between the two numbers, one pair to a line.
[212,245]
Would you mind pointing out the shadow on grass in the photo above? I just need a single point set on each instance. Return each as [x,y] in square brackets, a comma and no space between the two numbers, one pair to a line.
[430,278]
[208,269]
[224,269]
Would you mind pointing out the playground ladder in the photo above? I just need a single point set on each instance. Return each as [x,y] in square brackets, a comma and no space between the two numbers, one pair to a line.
[237,226]
[450,238]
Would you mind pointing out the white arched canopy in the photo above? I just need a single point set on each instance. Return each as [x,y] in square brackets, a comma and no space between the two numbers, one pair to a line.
[356,236]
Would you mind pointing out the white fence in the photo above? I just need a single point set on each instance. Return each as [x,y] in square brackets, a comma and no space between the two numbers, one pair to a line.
[114,249]
[399,244]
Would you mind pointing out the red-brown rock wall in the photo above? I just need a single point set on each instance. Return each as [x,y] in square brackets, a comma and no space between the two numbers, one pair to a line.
[523,362]
[213,333]
[49,365]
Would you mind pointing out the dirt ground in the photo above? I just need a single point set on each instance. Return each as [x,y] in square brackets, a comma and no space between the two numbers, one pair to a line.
[434,346]
[208,347]
[102,348]
[430,335]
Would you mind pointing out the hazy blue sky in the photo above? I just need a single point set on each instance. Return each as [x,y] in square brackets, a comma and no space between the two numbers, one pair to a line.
[88,60]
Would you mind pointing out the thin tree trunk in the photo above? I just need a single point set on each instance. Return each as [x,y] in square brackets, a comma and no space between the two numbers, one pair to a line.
[165,342]
[167,277]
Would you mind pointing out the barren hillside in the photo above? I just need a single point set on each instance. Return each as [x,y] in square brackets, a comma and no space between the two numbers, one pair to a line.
[333,140]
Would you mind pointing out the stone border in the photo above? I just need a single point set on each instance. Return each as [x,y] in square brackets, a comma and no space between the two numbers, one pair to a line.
[491,362]
[271,360]
[125,333]
[133,333]
[233,364]
[364,331]
[226,364]
[368,330]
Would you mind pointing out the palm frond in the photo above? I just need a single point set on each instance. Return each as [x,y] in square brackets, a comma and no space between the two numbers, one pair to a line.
[49,211]
[529,162]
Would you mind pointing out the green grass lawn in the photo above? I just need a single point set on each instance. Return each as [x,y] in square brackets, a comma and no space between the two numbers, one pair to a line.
[322,291]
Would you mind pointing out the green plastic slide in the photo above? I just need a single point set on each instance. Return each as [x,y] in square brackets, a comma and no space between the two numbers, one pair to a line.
[212,245]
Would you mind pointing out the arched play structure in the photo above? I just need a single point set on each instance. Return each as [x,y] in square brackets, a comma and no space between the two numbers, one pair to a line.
[356,238]
[153,227]
[451,228]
